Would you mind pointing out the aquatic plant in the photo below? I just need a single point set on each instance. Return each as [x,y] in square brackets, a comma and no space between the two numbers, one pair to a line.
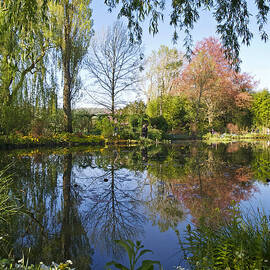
[242,243]
[135,252]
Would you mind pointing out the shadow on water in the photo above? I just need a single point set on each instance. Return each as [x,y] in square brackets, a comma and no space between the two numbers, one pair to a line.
[77,202]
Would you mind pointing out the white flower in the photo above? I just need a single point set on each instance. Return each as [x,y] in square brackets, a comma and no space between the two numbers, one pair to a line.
[44,267]
[21,260]
[69,262]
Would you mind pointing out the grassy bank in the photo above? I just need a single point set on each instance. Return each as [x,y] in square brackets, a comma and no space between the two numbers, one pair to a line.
[63,139]
[18,141]
[225,137]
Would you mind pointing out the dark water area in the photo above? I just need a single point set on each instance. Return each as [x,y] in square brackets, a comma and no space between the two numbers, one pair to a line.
[77,202]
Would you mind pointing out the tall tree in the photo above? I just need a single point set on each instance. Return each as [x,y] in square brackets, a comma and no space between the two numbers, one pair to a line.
[232,19]
[211,83]
[162,68]
[71,33]
[23,45]
[114,63]
[261,108]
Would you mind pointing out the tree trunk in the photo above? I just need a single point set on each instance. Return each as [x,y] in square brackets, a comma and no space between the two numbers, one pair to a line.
[66,68]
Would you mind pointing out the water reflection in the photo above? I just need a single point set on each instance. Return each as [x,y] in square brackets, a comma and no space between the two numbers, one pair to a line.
[50,228]
[77,202]
[205,182]
[113,203]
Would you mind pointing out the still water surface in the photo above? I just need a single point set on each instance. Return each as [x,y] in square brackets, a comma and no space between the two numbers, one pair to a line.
[77,202]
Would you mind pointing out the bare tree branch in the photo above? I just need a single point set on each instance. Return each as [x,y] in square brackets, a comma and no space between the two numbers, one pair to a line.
[114,64]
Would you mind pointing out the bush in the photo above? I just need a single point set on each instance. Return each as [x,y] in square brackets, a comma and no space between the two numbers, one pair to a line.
[127,133]
[106,127]
[159,123]
[154,134]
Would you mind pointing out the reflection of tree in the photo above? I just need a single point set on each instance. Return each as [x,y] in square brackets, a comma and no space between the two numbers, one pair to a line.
[207,182]
[51,225]
[165,209]
[261,164]
[114,196]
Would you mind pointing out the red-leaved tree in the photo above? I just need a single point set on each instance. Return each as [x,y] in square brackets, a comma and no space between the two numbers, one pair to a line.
[211,84]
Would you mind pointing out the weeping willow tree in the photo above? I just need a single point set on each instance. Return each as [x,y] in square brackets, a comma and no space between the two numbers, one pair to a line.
[33,33]
[71,30]
[23,45]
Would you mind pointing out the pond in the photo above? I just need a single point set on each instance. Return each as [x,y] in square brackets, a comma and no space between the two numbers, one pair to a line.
[77,202]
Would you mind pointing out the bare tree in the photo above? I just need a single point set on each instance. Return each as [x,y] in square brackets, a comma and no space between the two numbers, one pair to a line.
[114,64]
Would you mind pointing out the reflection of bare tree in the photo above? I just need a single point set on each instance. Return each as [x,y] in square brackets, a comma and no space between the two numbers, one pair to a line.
[114,212]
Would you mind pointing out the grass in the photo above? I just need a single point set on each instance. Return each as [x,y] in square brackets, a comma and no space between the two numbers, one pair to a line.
[8,205]
[235,137]
[241,243]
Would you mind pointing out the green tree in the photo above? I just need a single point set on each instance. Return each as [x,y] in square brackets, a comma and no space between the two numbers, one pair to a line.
[23,45]
[162,68]
[71,32]
[261,108]
[174,110]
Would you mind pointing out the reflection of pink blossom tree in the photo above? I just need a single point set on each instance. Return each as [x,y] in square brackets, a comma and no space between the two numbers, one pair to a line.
[211,196]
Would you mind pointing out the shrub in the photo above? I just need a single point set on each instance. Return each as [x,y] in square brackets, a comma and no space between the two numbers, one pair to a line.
[127,133]
[154,134]
[159,123]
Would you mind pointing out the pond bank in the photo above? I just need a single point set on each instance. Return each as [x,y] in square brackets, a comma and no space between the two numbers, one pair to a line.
[56,140]
[226,138]
[18,141]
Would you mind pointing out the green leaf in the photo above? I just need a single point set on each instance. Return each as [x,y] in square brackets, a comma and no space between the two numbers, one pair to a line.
[149,265]
[126,246]
[144,251]
[117,265]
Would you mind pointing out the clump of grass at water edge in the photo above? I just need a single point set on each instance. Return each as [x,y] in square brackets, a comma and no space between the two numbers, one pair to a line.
[239,244]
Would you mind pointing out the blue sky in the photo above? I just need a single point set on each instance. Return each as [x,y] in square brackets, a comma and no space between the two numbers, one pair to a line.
[255,58]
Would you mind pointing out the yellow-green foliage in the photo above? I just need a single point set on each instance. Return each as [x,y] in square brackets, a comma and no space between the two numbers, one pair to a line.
[235,137]
[57,139]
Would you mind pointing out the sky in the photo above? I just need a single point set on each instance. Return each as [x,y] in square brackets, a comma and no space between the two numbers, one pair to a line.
[255,58]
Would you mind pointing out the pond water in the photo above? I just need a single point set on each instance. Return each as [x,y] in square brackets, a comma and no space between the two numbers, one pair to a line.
[77,202]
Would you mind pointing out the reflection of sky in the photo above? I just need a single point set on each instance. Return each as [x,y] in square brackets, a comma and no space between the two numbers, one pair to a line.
[259,200]
[90,181]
